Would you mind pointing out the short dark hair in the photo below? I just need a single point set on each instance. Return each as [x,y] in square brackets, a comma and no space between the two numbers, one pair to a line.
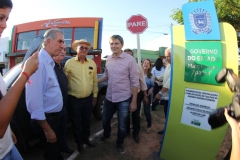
[117,37]
[128,50]
[6,4]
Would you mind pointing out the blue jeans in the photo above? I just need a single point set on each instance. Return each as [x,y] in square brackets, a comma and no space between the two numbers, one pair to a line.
[109,109]
[13,154]
[147,112]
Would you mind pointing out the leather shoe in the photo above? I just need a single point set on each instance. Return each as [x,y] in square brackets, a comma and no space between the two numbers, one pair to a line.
[90,144]
[80,149]
[68,150]
[160,132]
[136,138]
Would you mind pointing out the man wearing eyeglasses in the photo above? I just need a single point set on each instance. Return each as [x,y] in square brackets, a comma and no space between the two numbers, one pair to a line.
[82,90]
[63,83]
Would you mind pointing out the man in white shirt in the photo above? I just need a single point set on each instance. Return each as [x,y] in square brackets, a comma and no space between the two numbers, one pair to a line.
[163,95]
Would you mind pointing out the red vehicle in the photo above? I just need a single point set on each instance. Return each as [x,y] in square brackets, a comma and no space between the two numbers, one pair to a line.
[73,29]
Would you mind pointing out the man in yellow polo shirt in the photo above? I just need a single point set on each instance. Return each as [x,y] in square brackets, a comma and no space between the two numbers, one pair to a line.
[82,90]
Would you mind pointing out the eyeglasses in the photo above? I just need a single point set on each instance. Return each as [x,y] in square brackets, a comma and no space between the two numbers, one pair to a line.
[84,48]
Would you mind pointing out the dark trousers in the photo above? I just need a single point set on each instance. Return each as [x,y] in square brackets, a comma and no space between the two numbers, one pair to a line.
[156,89]
[165,105]
[51,150]
[135,116]
[63,128]
[80,111]
[109,109]
[147,112]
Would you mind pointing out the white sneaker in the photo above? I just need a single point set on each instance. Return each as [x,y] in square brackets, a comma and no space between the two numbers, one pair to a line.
[149,130]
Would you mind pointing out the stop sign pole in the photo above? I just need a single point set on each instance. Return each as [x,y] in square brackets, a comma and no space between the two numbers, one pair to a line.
[137,24]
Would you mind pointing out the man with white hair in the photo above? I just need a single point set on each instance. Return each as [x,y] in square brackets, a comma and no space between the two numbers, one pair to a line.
[163,94]
[82,90]
[43,95]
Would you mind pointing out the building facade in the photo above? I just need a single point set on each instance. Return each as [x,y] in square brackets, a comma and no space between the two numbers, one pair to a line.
[73,29]
[4,61]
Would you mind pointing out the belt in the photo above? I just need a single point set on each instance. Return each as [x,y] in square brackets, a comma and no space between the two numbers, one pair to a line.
[52,114]
[82,97]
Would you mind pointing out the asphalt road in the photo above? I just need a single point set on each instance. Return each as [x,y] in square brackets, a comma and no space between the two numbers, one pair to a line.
[36,152]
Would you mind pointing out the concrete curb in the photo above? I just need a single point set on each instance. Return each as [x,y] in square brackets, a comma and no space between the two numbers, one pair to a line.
[96,135]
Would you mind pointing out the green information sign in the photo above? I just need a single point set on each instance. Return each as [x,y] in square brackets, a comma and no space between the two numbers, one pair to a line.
[203,60]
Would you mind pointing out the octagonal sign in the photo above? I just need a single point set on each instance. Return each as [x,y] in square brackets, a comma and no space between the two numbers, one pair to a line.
[137,24]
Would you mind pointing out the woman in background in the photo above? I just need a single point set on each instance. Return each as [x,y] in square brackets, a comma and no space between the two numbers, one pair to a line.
[146,65]
[157,70]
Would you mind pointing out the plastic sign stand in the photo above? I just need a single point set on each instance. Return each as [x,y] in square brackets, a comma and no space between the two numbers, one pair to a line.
[188,140]
[187,132]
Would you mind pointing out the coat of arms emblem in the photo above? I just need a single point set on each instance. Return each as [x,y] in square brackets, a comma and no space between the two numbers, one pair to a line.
[200,21]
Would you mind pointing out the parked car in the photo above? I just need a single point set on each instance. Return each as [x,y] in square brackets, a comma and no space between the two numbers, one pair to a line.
[20,122]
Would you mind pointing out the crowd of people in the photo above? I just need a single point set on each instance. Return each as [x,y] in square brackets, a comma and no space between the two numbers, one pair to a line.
[51,87]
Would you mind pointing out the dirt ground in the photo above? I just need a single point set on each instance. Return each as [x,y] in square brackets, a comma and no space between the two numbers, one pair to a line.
[148,147]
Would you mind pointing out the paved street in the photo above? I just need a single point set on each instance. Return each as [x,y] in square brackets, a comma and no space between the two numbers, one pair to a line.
[35,153]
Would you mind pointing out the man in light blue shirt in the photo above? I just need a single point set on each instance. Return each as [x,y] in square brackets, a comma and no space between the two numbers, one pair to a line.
[44,97]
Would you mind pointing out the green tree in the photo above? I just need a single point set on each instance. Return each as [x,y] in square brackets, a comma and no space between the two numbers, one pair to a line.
[227,11]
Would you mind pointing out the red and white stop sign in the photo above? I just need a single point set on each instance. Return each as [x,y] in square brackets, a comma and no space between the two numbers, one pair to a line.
[137,24]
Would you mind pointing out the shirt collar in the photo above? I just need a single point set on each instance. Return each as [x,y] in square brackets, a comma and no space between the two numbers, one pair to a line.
[48,58]
[122,55]
[76,59]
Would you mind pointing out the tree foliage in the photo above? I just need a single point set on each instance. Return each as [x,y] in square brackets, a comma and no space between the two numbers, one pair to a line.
[227,11]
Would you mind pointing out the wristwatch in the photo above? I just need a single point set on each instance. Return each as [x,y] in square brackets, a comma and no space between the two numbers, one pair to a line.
[160,93]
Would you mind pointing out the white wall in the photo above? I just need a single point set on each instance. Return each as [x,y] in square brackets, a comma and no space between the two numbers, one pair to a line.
[4,42]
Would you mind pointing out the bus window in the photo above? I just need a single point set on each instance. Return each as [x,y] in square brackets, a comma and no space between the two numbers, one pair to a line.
[84,33]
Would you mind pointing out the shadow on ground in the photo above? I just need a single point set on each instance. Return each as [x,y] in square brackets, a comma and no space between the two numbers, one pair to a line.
[147,149]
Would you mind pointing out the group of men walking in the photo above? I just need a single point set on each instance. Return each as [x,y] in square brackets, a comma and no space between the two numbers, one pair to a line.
[53,87]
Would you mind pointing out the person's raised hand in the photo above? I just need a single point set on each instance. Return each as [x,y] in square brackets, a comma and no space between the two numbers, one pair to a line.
[232,122]
[31,64]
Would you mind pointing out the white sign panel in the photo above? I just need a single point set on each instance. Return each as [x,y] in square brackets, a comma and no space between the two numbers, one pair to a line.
[198,104]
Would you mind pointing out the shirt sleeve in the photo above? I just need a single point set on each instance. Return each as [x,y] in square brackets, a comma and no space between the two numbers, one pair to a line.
[65,69]
[160,78]
[152,80]
[167,84]
[134,77]
[95,83]
[34,94]
[142,81]
[153,70]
